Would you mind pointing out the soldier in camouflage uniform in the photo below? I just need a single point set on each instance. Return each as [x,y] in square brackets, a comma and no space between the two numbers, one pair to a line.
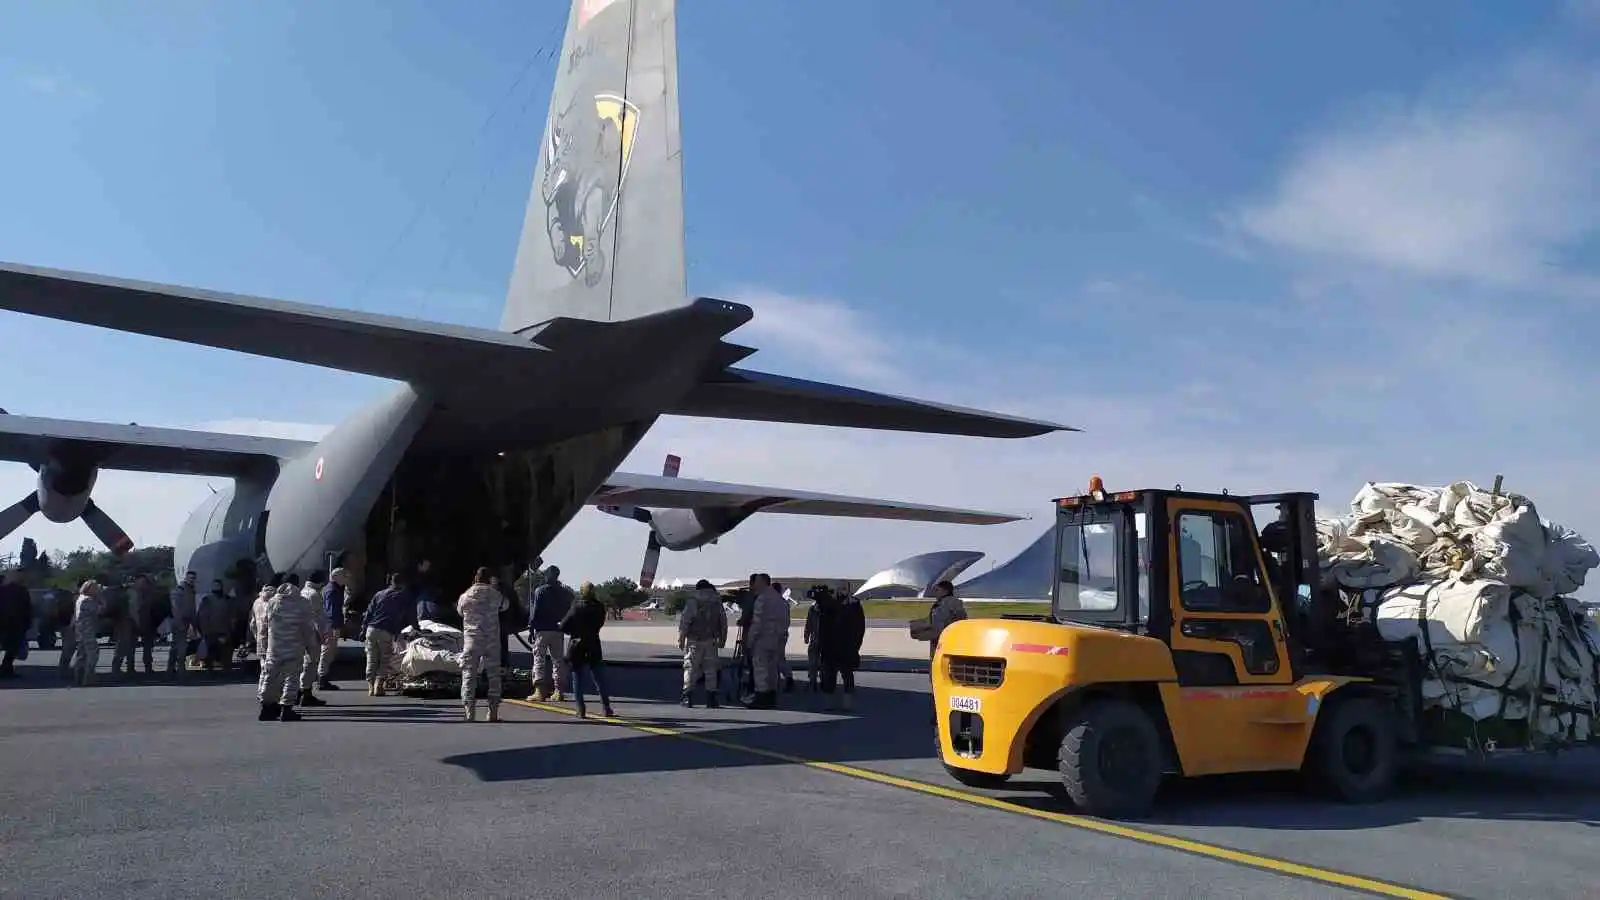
[311,597]
[289,630]
[766,637]
[702,630]
[86,627]
[258,616]
[480,648]
[185,605]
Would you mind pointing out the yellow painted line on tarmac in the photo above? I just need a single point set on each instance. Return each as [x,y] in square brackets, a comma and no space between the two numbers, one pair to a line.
[1082,823]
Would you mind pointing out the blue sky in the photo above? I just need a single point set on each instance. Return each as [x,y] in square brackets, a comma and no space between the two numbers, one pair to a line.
[1294,246]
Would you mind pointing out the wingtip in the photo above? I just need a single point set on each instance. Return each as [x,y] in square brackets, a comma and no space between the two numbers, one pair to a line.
[739,311]
[1031,428]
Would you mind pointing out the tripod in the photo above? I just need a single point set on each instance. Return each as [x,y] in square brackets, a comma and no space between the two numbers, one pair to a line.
[742,673]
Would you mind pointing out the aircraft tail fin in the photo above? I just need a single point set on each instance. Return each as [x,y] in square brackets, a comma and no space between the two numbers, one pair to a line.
[602,237]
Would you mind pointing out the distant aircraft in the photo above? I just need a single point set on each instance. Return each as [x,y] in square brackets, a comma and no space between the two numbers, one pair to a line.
[692,528]
[493,439]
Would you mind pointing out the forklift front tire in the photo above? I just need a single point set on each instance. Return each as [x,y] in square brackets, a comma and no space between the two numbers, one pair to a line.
[1354,752]
[1111,759]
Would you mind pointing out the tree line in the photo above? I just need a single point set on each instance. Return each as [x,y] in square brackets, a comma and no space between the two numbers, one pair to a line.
[67,571]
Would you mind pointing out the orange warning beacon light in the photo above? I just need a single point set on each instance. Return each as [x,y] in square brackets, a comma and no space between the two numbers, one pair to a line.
[1097,489]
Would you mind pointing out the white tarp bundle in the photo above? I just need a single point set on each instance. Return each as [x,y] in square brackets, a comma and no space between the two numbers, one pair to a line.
[1481,580]
[431,647]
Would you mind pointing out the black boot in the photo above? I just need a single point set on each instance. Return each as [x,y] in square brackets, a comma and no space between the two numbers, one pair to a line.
[287,714]
[309,699]
[788,684]
[269,713]
[711,696]
[326,685]
[688,699]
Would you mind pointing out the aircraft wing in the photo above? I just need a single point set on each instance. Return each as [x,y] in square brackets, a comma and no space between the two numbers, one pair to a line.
[135,448]
[385,346]
[633,489]
[758,396]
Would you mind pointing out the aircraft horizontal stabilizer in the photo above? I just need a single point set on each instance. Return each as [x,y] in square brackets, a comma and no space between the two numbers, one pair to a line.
[135,448]
[632,489]
[761,397]
[384,346]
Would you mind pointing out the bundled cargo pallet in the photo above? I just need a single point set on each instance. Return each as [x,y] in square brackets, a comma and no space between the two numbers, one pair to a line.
[430,647]
[1482,585]
[514,684]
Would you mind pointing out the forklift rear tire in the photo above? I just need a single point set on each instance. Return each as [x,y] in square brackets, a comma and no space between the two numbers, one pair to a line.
[1111,759]
[1354,752]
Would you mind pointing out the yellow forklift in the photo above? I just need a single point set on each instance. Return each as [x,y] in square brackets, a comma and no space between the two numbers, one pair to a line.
[1181,641]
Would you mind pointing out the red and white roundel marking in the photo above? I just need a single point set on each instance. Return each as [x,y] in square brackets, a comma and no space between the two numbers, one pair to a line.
[318,472]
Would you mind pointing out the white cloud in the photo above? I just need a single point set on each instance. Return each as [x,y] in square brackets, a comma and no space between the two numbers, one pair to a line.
[835,335]
[1489,182]
[55,86]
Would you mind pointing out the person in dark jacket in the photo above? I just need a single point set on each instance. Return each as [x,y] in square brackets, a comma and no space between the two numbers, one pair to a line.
[390,611]
[550,605]
[16,613]
[433,604]
[582,624]
[117,603]
[333,594]
[841,627]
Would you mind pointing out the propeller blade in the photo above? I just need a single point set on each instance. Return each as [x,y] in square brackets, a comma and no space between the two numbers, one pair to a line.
[18,513]
[652,556]
[108,531]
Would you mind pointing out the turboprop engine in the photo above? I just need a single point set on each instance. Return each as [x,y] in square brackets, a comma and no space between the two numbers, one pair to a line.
[62,495]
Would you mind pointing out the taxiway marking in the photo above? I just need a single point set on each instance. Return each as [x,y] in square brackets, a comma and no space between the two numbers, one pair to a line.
[1083,823]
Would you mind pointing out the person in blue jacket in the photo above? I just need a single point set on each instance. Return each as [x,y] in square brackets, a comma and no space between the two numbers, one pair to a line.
[551,601]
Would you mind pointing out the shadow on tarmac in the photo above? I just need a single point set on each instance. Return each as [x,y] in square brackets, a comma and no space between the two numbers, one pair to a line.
[890,734]
[888,725]
[1565,789]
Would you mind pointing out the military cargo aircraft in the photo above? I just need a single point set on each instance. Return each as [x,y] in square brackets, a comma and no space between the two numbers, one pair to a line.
[490,441]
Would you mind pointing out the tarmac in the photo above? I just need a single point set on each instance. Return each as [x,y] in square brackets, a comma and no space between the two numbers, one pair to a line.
[141,787]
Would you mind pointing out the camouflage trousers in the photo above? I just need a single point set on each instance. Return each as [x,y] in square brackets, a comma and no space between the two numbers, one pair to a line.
[549,647]
[700,662]
[178,647]
[480,656]
[330,652]
[380,653]
[767,663]
[280,676]
[313,663]
[88,649]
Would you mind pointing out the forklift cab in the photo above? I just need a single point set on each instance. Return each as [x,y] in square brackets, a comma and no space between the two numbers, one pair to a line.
[1191,570]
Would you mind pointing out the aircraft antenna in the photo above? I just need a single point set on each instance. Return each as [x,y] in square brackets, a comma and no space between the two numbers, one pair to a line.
[544,50]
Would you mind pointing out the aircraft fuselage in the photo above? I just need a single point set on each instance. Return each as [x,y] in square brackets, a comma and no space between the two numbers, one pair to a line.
[371,493]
